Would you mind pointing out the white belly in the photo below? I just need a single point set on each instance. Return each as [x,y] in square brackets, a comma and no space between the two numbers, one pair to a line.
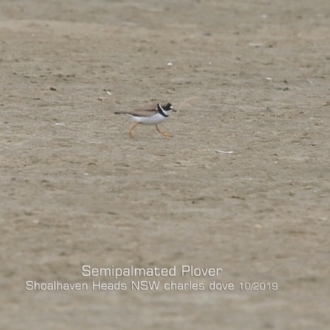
[153,120]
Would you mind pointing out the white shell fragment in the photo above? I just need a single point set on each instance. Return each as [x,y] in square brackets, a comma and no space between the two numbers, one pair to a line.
[224,152]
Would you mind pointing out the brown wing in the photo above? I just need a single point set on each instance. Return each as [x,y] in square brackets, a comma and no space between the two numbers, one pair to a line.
[145,111]
[141,112]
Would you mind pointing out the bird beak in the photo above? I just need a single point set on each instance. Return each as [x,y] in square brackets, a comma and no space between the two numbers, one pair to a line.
[174,110]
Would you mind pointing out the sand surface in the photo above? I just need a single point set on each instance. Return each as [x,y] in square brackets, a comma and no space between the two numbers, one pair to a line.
[243,184]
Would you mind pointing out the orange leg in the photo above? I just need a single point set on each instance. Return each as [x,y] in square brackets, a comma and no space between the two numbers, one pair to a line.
[130,132]
[162,133]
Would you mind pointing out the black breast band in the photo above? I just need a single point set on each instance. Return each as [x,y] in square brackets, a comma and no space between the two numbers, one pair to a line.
[161,110]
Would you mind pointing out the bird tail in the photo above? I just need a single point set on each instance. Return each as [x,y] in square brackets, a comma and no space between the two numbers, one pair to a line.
[120,113]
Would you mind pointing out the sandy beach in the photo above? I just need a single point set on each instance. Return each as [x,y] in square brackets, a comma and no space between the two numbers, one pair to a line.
[96,226]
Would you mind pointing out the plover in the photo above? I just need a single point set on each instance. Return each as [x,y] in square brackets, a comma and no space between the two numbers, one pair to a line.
[150,115]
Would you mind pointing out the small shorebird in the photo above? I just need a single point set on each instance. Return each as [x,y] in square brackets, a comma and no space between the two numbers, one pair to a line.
[151,115]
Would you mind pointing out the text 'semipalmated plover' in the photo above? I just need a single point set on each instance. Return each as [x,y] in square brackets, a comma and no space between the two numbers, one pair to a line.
[152,115]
